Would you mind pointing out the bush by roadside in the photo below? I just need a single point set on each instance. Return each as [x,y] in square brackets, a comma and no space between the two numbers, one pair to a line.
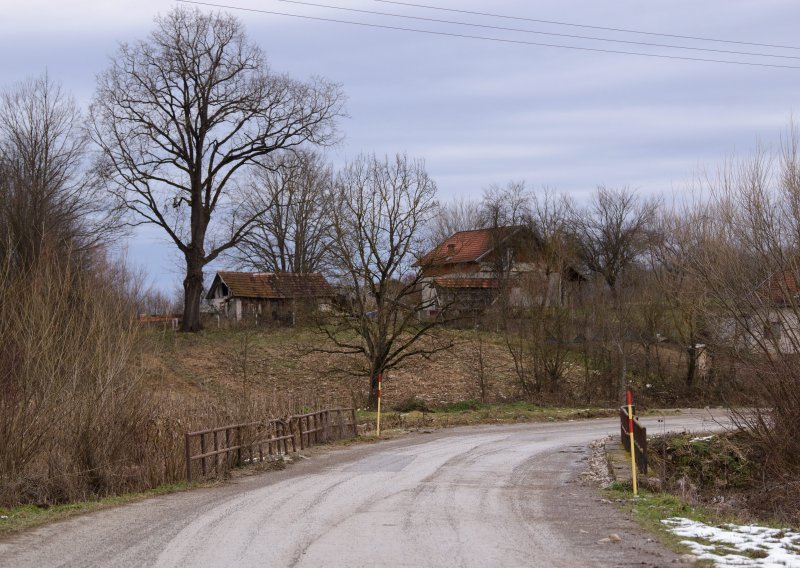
[725,473]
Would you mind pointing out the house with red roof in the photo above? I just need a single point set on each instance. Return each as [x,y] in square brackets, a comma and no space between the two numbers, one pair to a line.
[468,271]
[269,296]
[772,322]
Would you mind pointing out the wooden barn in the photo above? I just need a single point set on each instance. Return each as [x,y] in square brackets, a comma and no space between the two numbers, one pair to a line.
[269,296]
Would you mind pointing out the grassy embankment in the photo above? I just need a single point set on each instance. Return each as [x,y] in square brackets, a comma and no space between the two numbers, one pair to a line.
[715,480]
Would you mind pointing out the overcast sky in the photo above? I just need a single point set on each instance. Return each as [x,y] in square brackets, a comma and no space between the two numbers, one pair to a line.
[481,112]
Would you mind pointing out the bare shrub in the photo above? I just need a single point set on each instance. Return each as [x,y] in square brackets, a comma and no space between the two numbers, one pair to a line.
[747,262]
[72,406]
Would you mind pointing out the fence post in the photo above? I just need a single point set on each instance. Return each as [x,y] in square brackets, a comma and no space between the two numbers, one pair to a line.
[341,424]
[355,424]
[270,435]
[216,456]
[326,419]
[203,451]
[188,441]
[315,427]
[227,446]
[300,432]
[378,429]
[239,446]
[261,445]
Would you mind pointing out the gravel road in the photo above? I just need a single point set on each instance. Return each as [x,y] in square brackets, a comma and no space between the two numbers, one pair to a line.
[479,496]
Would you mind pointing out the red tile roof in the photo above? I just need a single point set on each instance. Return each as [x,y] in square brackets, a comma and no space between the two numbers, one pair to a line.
[465,246]
[782,287]
[274,286]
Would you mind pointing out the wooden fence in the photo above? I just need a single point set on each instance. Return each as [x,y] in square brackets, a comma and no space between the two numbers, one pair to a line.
[639,438]
[220,449]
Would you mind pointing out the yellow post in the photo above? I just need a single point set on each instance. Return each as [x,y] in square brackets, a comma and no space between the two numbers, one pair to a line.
[380,378]
[633,444]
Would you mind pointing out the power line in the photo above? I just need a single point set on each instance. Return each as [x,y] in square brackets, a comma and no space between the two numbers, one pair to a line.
[493,39]
[586,26]
[502,28]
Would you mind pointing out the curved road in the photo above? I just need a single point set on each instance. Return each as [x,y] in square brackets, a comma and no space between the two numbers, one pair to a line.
[481,496]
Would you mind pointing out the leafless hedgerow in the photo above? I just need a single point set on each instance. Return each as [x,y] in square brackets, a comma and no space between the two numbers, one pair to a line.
[747,261]
[48,196]
[73,410]
[78,419]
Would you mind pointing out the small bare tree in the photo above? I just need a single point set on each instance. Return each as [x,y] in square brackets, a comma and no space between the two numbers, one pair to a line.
[613,232]
[611,237]
[673,256]
[292,191]
[180,115]
[549,221]
[380,209]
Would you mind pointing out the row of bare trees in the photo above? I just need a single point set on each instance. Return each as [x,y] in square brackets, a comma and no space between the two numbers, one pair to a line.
[365,227]
[696,299]
[49,195]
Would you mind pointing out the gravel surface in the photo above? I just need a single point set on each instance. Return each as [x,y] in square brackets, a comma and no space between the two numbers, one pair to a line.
[479,496]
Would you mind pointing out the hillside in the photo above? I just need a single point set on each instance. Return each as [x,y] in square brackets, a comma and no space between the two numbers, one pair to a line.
[281,365]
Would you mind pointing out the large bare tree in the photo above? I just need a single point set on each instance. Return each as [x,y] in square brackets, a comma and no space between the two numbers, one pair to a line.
[380,210]
[292,234]
[180,115]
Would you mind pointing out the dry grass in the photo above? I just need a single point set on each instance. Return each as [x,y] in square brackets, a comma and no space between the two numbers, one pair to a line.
[79,417]
[281,365]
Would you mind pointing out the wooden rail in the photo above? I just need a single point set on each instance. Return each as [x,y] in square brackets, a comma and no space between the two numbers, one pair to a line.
[231,446]
[639,438]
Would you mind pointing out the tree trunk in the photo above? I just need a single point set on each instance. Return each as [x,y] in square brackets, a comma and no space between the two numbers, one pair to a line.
[691,369]
[192,294]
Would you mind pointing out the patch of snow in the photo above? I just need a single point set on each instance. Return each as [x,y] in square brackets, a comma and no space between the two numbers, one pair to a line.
[703,439]
[778,547]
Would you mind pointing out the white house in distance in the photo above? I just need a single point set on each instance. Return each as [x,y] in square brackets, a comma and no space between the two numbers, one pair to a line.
[269,296]
[773,323]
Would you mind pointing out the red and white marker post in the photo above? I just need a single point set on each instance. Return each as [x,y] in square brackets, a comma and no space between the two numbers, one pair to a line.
[633,443]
